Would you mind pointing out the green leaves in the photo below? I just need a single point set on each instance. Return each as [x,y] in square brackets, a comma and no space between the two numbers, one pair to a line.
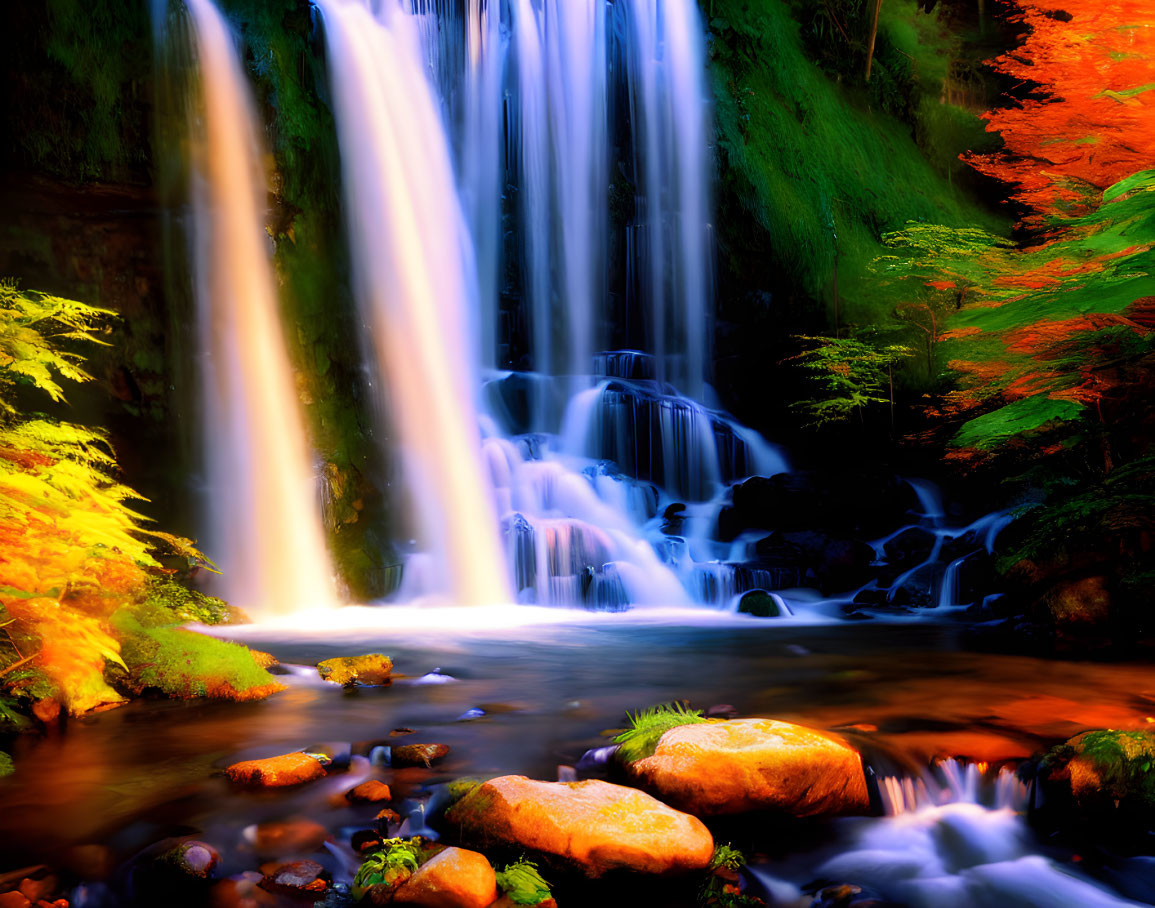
[648,725]
[33,329]
[847,374]
[523,884]
[397,860]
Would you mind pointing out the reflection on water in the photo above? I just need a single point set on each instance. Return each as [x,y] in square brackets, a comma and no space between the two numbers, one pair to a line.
[544,695]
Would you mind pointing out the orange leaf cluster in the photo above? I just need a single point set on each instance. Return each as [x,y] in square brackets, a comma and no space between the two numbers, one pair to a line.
[1091,121]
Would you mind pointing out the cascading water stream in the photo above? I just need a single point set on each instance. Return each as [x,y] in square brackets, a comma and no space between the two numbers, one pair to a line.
[594,480]
[665,60]
[416,284]
[265,529]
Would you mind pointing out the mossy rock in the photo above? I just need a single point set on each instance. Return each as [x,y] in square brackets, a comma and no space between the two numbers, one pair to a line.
[168,602]
[6,767]
[761,604]
[371,670]
[186,665]
[1104,771]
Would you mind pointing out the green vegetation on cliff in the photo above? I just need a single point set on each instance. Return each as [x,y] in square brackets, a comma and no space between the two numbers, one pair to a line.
[815,169]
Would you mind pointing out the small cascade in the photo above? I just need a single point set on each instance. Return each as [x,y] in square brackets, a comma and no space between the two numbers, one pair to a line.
[416,284]
[956,836]
[574,535]
[662,437]
[264,525]
[952,782]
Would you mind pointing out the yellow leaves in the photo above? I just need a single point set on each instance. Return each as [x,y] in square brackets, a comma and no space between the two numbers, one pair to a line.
[32,324]
[73,651]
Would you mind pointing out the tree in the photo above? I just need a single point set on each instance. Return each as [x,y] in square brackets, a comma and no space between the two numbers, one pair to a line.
[849,375]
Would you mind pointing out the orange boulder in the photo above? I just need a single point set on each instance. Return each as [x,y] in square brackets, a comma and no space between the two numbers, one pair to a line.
[715,768]
[590,826]
[277,772]
[454,878]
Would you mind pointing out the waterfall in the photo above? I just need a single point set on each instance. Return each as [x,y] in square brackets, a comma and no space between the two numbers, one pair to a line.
[264,525]
[415,279]
[476,142]
[664,60]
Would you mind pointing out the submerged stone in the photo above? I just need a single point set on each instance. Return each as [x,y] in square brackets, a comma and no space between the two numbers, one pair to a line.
[716,768]
[418,755]
[298,879]
[277,772]
[371,670]
[281,838]
[592,827]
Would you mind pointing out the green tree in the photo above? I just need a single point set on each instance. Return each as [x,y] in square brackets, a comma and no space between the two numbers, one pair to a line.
[848,375]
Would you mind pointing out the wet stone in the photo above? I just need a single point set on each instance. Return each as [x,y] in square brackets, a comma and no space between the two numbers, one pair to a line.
[370,670]
[370,792]
[277,772]
[297,879]
[192,860]
[424,755]
[591,827]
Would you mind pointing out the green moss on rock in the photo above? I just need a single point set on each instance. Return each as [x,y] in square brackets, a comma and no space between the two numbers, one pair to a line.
[186,665]
[1105,770]
[372,669]
[168,603]
[6,767]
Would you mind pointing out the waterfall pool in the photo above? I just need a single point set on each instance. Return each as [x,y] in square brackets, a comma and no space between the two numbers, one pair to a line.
[517,698]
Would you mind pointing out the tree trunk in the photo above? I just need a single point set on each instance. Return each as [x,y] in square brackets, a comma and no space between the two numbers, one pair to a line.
[836,287]
[890,375]
[873,36]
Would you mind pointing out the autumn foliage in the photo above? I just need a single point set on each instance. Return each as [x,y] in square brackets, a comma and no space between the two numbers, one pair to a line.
[78,572]
[1090,120]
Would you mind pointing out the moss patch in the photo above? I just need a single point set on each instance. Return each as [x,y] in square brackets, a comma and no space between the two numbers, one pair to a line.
[6,767]
[187,665]
[1107,767]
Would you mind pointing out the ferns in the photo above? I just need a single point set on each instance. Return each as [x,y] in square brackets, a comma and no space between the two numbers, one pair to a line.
[32,325]
[72,551]
[523,884]
[392,865]
[647,727]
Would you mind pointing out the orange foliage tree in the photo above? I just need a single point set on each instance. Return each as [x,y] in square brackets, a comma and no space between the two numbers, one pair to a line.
[1090,120]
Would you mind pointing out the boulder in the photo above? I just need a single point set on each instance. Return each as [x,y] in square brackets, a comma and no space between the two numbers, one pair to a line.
[761,604]
[370,792]
[910,547]
[716,768]
[418,755]
[277,772]
[592,827]
[1103,772]
[455,878]
[371,670]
